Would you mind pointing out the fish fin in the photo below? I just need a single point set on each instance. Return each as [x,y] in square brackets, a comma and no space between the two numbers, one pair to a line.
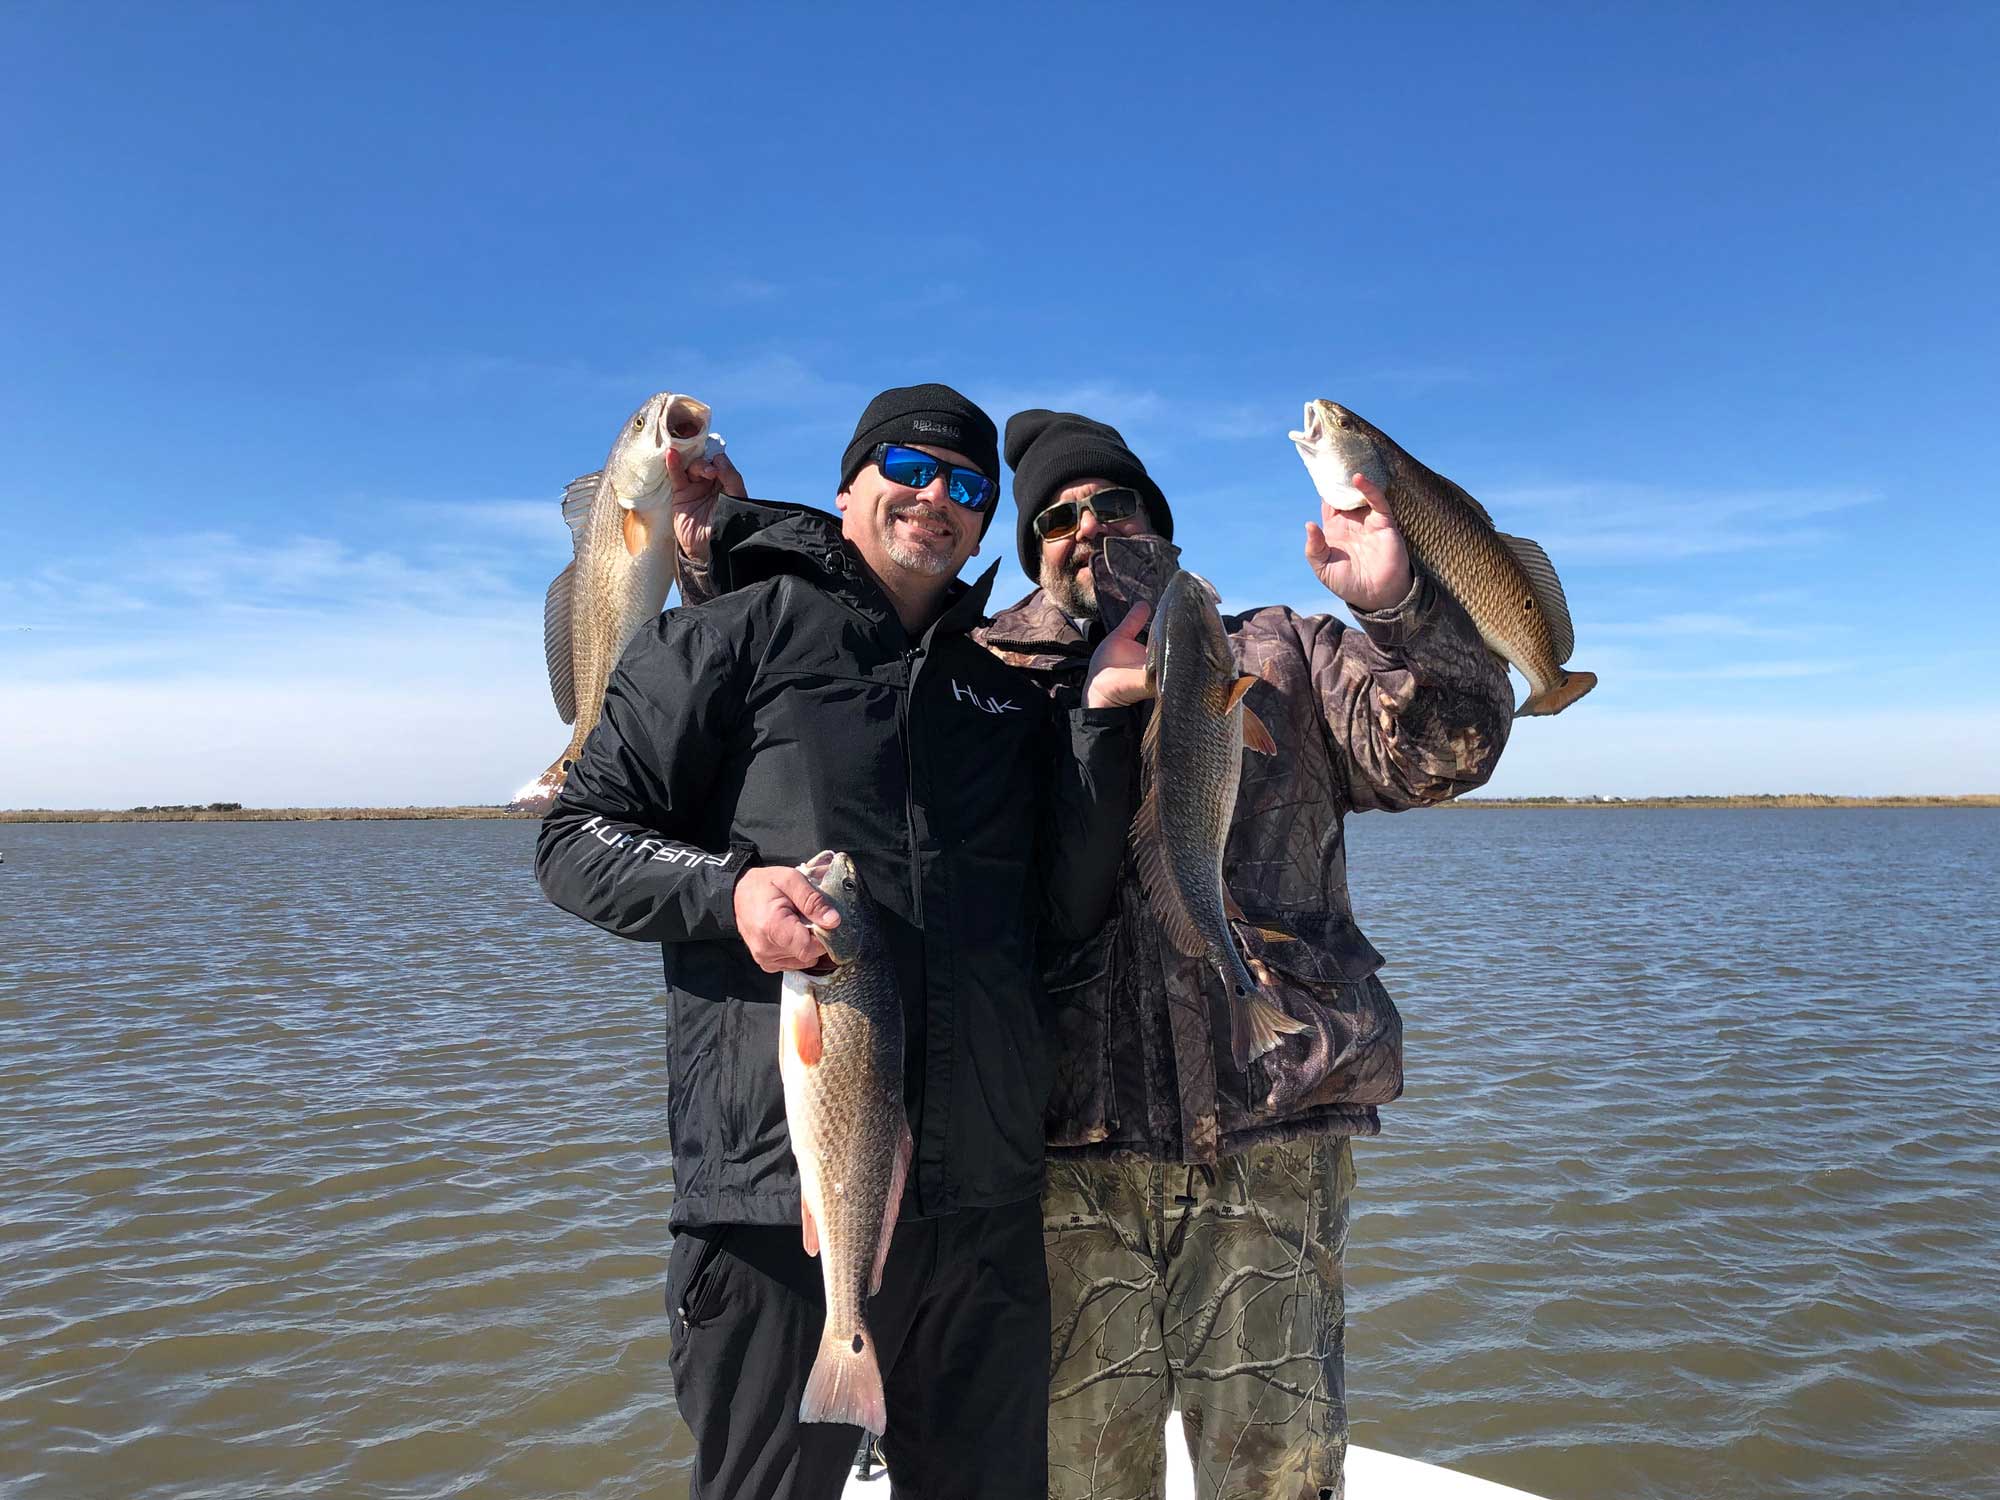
[1459,493]
[1548,593]
[578,496]
[806,1038]
[1149,851]
[539,795]
[556,644]
[1271,935]
[898,1173]
[808,1230]
[1238,688]
[1568,687]
[1257,1025]
[1230,909]
[1255,735]
[846,1383]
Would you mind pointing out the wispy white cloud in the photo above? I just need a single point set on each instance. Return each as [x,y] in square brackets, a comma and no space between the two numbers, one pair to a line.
[1849,751]
[1616,522]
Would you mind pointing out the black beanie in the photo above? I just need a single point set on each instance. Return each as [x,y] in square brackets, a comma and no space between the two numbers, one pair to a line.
[937,417]
[1051,449]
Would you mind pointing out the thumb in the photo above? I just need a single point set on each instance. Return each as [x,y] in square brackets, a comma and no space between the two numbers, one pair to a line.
[1317,550]
[804,895]
[1134,621]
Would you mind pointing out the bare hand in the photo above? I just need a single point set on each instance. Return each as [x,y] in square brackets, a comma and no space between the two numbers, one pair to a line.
[1359,554]
[696,484]
[774,905]
[1117,674]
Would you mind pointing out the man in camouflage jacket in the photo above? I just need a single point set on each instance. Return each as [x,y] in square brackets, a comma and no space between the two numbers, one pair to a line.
[1196,1213]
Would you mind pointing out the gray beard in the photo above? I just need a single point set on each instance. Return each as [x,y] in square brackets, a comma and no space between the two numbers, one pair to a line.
[1071,595]
[918,559]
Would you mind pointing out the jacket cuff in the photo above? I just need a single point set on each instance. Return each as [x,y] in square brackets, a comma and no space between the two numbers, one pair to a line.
[1394,626]
[697,579]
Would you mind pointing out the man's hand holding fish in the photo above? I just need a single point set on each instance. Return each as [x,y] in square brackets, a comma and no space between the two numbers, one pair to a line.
[1221,1038]
[1359,554]
[812,757]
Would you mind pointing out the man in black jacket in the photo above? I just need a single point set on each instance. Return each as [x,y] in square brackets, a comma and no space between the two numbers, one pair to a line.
[829,696]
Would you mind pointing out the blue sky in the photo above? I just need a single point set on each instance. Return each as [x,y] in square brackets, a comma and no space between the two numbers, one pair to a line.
[306,316]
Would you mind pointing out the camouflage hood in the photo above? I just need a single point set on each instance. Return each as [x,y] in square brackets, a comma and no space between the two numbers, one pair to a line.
[1408,710]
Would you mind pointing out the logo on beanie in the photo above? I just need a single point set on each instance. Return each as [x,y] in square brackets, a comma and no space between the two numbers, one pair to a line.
[942,429]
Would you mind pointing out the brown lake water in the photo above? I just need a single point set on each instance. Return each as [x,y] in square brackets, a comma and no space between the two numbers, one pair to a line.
[333,1161]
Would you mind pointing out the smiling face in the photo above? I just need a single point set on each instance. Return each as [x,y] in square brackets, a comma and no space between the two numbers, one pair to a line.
[1066,560]
[898,530]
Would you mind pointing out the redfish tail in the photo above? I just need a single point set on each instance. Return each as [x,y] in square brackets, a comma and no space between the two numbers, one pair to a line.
[846,1383]
[1257,1023]
[1558,695]
[539,795]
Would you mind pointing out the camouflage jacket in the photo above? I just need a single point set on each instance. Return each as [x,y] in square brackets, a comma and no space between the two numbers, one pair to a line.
[1410,709]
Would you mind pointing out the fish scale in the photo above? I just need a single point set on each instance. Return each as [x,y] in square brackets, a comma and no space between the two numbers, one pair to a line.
[850,1137]
[1192,757]
[1506,583]
[621,527]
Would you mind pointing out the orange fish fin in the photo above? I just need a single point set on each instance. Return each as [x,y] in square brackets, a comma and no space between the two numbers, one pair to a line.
[805,1031]
[846,1381]
[807,1227]
[1255,735]
[1239,687]
[1554,699]
[1269,935]
[639,530]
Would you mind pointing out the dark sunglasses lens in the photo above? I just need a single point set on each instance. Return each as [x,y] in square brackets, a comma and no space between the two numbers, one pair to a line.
[1057,521]
[970,489]
[1115,505]
[907,466]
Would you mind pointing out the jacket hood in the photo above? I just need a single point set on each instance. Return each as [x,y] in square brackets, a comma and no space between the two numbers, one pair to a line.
[753,540]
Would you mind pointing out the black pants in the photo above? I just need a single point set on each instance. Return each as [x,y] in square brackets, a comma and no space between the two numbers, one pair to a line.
[962,1328]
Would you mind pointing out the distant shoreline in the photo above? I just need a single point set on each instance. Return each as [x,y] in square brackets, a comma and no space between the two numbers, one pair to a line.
[1775,799]
[410,814]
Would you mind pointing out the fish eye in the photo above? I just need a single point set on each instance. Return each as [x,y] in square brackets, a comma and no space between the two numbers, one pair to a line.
[639,424]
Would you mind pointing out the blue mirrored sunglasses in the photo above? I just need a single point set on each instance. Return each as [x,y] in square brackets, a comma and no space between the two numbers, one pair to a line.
[915,468]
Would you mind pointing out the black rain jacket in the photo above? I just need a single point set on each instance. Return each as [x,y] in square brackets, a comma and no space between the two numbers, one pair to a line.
[793,713]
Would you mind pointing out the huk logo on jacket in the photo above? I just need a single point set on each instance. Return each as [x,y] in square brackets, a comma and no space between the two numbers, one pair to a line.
[985,705]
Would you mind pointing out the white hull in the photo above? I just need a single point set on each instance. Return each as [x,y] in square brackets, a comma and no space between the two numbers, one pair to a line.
[1370,1476]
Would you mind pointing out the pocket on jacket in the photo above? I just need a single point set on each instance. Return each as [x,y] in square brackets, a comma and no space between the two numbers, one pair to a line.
[692,1289]
[1080,1094]
[1327,976]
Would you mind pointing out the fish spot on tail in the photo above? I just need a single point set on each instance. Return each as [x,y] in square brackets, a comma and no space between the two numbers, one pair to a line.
[857,1343]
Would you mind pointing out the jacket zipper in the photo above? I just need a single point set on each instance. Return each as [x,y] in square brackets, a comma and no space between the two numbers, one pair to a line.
[907,724]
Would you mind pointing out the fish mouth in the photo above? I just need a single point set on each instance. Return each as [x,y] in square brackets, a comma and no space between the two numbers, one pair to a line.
[1321,417]
[685,418]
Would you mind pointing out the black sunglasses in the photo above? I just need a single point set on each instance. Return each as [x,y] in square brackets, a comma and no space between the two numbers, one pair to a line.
[915,469]
[1062,518]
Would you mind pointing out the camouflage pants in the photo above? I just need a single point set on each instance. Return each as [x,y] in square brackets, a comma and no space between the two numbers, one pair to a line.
[1214,1289]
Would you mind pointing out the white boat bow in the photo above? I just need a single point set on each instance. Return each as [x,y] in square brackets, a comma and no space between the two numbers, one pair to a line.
[1371,1475]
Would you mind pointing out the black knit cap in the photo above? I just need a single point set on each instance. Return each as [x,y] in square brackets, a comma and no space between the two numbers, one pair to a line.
[935,416]
[1051,449]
